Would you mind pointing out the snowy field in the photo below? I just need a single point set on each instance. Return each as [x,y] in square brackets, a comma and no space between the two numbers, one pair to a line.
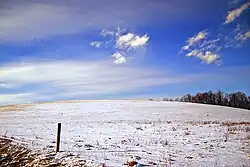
[154,133]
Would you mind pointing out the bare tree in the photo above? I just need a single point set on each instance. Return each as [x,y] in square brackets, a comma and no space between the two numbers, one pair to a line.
[236,99]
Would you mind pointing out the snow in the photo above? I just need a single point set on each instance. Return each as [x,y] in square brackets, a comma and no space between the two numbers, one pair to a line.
[112,132]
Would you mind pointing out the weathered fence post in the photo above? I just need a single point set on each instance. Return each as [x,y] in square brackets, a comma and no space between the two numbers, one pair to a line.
[58,137]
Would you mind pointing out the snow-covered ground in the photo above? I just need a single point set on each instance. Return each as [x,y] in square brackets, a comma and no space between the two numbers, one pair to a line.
[157,133]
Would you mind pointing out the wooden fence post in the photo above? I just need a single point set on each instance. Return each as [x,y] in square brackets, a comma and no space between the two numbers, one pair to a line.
[58,137]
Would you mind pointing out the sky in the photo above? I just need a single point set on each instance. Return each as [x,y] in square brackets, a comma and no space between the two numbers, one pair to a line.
[122,49]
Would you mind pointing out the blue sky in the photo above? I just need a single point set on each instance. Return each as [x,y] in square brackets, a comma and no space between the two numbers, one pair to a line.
[114,49]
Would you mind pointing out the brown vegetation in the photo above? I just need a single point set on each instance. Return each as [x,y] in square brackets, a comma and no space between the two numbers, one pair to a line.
[15,154]
[18,107]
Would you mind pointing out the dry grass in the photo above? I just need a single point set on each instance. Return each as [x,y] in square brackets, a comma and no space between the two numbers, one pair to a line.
[232,127]
[228,123]
[234,123]
[203,122]
[18,107]
[14,155]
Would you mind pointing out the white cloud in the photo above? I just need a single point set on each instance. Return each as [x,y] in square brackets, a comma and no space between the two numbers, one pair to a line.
[232,15]
[201,35]
[123,42]
[120,59]
[195,39]
[96,44]
[206,57]
[131,41]
[186,47]
[203,48]
[139,41]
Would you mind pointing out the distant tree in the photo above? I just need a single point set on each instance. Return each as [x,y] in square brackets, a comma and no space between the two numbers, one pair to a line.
[182,99]
[235,99]
[194,99]
[248,103]
[187,98]
[232,100]
[220,96]
[210,97]
[241,99]
[217,97]
[165,99]
[205,98]
[199,97]
[225,99]
[177,99]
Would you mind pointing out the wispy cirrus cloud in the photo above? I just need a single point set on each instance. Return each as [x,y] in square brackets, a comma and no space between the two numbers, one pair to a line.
[75,79]
[233,14]
[207,57]
[28,20]
[3,85]
[243,37]
[15,98]
[106,32]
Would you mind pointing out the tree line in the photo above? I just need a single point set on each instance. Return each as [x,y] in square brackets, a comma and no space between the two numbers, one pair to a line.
[234,99]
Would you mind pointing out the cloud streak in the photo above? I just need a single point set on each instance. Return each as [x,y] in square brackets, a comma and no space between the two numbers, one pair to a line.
[195,39]
[23,20]
[60,80]
[15,98]
[27,20]
[243,37]
[73,79]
